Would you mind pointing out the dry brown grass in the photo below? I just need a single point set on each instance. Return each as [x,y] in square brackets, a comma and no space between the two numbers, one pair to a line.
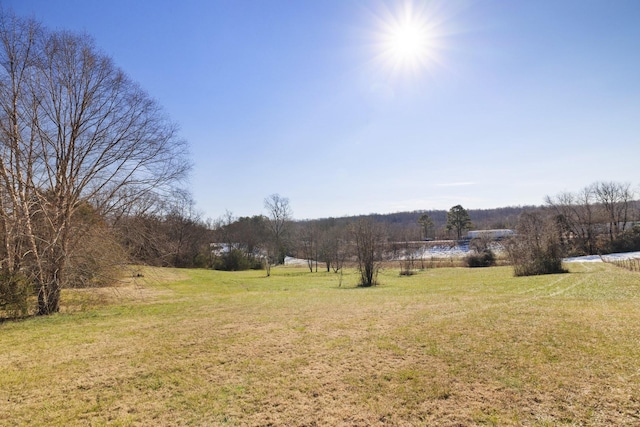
[138,284]
[449,347]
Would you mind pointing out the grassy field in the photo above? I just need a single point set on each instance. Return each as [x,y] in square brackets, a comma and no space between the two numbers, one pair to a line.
[450,347]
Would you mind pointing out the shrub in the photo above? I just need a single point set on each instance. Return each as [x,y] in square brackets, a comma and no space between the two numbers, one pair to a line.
[536,248]
[627,242]
[485,258]
[236,260]
[97,261]
[532,262]
[406,272]
[15,290]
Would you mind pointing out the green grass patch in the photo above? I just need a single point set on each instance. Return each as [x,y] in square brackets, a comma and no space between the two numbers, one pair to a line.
[448,346]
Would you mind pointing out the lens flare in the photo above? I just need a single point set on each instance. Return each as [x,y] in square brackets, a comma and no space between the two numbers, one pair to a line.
[409,39]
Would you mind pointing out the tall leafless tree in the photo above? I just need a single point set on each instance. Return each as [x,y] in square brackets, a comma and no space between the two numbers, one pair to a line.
[595,218]
[369,241]
[74,129]
[308,237]
[615,199]
[576,215]
[279,215]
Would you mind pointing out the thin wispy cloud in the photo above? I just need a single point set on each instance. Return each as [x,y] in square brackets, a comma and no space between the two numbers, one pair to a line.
[455,184]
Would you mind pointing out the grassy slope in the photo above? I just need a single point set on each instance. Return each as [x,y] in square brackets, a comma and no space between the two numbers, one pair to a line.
[444,347]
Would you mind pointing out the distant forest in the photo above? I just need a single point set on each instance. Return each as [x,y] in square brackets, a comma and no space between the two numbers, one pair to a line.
[404,225]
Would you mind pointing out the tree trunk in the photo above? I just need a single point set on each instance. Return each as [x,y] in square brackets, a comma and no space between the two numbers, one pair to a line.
[49,298]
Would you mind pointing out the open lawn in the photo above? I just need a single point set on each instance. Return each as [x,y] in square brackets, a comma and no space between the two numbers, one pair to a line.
[450,347]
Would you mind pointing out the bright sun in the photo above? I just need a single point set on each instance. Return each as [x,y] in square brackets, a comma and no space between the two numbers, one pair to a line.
[408,40]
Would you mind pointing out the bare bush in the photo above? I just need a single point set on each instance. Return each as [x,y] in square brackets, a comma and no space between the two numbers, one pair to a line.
[485,258]
[536,248]
[369,240]
[481,253]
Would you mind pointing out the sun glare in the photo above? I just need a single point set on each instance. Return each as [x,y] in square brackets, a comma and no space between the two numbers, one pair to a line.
[407,42]
[408,39]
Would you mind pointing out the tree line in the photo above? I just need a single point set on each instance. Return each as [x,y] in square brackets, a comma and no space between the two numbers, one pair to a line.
[264,240]
[602,218]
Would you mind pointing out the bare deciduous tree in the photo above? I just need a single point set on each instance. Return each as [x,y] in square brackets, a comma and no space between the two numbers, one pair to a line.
[576,217]
[594,219]
[369,241]
[536,248]
[614,199]
[407,254]
[308,239]
[74,129]
[279,217]
[333,248]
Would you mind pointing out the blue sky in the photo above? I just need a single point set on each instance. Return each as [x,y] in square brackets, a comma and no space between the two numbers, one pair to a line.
[514,100]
